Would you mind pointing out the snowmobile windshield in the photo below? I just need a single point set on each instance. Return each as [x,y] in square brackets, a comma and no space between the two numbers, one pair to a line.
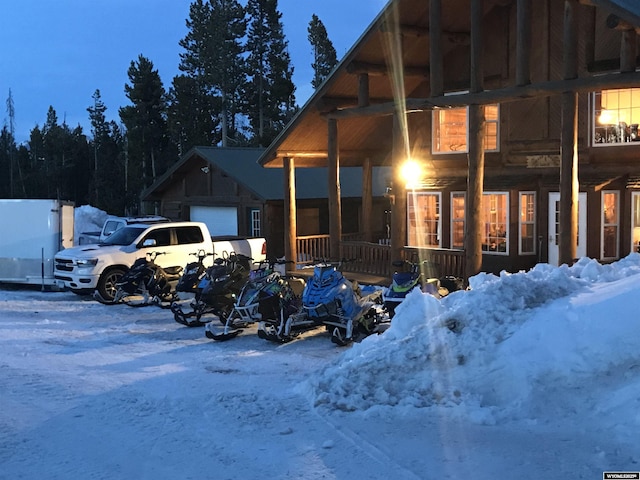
[325,275]
[124,236]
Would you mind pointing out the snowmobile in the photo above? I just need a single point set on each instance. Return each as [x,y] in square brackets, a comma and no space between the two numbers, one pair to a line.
[330,300]
[188,287]
[423,275]
[146,279]
[269,296]
[217,290]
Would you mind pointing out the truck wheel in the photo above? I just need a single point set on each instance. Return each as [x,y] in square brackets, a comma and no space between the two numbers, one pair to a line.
[107,283]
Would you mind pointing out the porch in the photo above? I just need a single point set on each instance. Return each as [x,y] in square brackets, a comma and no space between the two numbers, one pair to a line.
[371,262]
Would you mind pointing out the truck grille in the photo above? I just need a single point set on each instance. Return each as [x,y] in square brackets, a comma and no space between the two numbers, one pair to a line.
[63,265]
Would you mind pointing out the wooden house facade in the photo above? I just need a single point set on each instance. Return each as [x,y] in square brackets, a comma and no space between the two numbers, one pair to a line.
[523,118]
[228,190]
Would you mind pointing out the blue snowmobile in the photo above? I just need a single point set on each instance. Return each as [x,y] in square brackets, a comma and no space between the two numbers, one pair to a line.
[330,300]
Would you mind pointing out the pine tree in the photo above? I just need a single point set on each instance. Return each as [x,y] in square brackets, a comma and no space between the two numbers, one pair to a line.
[270,94]
[324,55]
[213,59]
[99,131]
[149,152]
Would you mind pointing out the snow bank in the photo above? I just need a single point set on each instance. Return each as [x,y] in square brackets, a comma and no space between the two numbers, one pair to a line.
[506,350]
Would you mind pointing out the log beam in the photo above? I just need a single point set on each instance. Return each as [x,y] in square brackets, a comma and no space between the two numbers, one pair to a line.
[359,68]
[436,75]
[502,95]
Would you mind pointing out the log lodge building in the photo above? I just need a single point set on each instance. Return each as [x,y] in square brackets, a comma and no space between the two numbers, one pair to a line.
[522,116]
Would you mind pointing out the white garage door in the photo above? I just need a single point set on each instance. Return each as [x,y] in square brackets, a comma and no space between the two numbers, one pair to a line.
[219,220]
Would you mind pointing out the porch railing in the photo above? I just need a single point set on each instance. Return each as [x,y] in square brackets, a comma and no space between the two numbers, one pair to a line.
[375,259]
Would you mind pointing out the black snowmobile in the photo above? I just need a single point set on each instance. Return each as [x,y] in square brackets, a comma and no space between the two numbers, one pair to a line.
[217,291]
[147,283]
[268,297]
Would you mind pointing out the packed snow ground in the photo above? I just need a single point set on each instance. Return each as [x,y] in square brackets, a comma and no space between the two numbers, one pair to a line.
[530,375]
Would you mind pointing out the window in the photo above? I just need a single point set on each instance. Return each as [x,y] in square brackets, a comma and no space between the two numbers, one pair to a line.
[161,236]
[457,220]
[423,212]
[610,224]
[635,222]
[494,212]
[255,227]
[616,115]
[451,127]
[187,235]
[527,238]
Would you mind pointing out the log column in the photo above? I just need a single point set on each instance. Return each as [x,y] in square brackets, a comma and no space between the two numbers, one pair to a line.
[569,187]
[290,228]
[399,191]
[367,199]
[473,223]
[335,208]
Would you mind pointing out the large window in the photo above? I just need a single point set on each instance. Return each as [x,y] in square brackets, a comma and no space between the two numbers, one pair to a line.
[616,115]
[610,224]
[494,211]
[527,237]
[451,127]
[457,220]
[423,215]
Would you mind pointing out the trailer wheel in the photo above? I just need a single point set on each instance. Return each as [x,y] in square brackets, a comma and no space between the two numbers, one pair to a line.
[107,283]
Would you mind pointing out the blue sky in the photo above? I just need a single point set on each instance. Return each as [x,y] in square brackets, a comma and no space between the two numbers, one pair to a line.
[59,52]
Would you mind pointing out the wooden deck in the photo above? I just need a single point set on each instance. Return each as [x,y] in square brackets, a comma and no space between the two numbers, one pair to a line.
[370,263]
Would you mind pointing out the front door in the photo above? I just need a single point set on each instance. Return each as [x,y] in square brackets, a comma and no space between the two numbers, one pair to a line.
[554,215]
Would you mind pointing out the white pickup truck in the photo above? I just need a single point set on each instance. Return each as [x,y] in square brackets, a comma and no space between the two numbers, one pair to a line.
[97,267]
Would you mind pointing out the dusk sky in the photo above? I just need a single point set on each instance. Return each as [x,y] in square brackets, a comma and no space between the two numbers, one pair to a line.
[58,53]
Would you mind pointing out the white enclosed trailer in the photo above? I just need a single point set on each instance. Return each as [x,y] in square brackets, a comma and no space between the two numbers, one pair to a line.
[31,233]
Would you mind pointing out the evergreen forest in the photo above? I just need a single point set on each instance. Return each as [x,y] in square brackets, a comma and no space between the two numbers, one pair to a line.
[234,89]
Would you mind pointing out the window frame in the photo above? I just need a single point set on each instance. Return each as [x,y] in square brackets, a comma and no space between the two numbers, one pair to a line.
[622,133]
[635,222]
[604,224]
[454,219]
[438,231]
[521,194]
[485,197]
[255,222]
[436,127]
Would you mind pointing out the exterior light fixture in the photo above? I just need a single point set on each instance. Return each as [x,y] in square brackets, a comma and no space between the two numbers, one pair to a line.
[411,173]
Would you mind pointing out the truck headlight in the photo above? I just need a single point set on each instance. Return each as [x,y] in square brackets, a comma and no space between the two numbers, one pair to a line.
[87,262]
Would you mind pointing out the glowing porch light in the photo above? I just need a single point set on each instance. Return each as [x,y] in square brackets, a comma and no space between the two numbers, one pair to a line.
[411,173]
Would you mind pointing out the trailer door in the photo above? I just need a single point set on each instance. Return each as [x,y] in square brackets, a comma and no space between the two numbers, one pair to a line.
[66,226]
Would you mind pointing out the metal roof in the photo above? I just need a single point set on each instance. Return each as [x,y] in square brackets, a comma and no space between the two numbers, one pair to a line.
[241,165]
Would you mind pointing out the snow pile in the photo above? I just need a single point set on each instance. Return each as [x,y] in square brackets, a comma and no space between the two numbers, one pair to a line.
[87,219]
[514,347]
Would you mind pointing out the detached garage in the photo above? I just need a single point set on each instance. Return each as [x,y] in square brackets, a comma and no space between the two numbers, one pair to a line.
[233,195]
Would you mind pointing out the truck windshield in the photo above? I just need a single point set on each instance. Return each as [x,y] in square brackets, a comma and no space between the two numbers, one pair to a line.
[124,236]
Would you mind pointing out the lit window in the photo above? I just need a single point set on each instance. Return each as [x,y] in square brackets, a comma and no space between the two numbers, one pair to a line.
[451,127]
[616,115]
[527,240]
[457,220]
[423,212]
[495,207]
[610,224]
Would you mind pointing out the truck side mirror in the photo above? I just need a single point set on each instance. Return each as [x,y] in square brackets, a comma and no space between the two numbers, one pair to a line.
[149,242]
